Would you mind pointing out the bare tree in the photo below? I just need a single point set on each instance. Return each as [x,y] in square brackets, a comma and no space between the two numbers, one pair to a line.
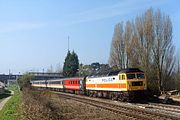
[50,69]
[128,36]
[117,55]
[177,82]
[146,43]
[144,35]
[163,50]
[154,46]
[58,68]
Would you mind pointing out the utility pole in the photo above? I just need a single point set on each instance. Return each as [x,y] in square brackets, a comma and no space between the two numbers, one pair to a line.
[68,43]
[17,76]
[178,67]
[9,78]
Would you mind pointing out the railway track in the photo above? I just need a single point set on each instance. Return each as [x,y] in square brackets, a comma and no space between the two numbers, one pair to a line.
[161,108]
[130,112]
[176,108]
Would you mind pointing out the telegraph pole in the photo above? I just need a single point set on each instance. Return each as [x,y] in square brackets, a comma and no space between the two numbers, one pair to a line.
[68,43]
[9,77]
[178,67]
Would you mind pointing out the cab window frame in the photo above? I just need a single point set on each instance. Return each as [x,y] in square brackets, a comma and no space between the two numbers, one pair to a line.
[122,77]
[129,76]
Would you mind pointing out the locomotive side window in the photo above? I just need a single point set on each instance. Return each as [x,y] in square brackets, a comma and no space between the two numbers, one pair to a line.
[123,77]
[140,75]
[120,76]
[131,76]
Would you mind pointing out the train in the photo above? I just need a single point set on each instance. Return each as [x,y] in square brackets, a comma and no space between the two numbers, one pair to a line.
[123,85]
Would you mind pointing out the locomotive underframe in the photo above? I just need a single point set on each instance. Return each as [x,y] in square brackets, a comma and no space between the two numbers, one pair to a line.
[119,95]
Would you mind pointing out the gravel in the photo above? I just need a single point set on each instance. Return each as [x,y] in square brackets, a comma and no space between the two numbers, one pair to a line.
[72,110]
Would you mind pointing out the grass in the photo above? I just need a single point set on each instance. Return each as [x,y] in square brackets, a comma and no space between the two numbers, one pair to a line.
[11,110]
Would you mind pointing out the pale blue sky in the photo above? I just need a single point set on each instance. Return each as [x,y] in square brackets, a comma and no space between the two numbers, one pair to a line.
[33,33]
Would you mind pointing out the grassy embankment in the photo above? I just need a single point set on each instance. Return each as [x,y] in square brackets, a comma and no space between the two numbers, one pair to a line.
[11,110]
[30,104]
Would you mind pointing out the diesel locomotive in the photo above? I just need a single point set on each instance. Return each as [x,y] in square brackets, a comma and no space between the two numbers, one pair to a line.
[124,85]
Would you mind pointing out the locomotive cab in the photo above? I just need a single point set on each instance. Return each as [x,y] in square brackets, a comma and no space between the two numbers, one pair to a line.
[135,82]
[135,79]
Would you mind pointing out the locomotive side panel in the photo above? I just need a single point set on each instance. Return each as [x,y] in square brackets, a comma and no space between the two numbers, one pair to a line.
[109,83]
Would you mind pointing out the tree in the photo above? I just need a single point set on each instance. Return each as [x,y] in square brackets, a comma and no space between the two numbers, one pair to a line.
[74,63]
[117,55]
[95,67]
[163,50]
[104,69]
[84,70]
[177,81]
[71,64]
[24,80]
[146,42]
[66,67]
[58,68]
[50,69]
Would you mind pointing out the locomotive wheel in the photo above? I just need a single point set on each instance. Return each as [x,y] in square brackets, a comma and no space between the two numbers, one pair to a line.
[113,96]
[94,94]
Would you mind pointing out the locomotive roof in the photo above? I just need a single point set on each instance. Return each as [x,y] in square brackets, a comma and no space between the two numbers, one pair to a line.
[116,72]
[129,70]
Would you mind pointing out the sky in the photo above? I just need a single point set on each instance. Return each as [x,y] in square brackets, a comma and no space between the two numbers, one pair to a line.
[34,33]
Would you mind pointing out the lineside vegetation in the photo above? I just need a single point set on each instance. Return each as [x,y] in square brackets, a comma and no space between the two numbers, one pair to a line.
[12,109]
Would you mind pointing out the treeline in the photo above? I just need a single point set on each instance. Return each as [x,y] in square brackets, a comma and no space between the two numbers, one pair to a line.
[94,69]
[146,43]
